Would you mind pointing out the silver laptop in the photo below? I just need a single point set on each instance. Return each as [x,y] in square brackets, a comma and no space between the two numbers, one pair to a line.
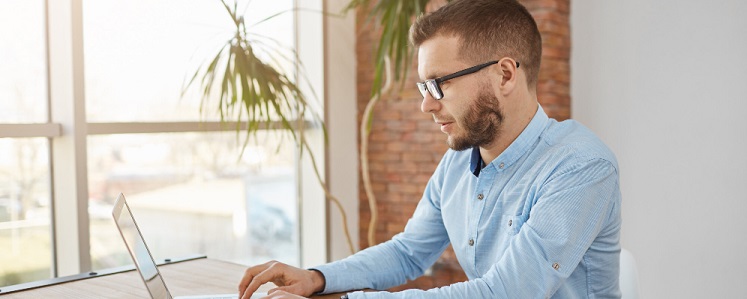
[144,262]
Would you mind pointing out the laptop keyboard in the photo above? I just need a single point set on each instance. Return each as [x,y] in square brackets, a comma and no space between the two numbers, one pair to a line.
[222,296]
[212,297]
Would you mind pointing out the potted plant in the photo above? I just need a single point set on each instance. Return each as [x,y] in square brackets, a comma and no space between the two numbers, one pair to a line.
[257,94]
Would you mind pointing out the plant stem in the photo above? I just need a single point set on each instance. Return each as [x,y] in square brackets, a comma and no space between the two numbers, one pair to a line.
[365,131]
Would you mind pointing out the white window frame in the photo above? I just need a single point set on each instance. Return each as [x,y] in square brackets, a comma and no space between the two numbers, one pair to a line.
[67,129]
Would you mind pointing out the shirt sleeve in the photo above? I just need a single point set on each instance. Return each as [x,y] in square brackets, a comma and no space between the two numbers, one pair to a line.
[405,256]
[572,208]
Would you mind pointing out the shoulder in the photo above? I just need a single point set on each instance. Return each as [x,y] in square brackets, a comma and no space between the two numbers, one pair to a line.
[453,165]
[570,143]
[454,158]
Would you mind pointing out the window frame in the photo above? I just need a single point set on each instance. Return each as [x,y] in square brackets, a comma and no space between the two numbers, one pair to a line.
[67,130]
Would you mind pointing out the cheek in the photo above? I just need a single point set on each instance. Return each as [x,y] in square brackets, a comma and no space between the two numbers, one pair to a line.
[449,111]
[459,111]
[461,121]
[463,97]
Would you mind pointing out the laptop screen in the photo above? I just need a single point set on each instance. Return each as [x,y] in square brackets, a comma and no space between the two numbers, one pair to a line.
[138,250]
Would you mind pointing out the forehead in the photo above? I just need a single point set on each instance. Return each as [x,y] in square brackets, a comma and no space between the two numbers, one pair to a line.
[439,56]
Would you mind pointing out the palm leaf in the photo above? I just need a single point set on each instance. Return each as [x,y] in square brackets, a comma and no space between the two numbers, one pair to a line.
[394,18]
[253,92]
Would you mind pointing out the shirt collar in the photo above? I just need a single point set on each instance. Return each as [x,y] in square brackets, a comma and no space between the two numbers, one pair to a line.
[517,148]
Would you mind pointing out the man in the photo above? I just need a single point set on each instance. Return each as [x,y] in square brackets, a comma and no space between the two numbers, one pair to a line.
[530,205]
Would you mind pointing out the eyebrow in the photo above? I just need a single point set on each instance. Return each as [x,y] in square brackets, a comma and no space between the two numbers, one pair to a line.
[434,75]
[439,74]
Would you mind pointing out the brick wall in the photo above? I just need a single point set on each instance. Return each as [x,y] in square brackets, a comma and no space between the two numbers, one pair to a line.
[405,145]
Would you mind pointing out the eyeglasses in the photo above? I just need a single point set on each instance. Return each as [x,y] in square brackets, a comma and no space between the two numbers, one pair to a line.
[433,86]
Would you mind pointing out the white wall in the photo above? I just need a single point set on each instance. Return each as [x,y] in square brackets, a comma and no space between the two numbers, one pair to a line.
[341,117]
[664,84]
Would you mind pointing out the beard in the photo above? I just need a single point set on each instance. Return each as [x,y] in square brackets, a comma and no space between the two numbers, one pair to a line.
[482,123]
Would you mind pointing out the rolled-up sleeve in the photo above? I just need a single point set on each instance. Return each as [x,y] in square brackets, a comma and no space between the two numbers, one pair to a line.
[404,257]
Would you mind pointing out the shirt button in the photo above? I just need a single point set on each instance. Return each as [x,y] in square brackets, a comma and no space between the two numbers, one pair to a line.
[510,222]
[471,242]
[556,266]
[479,196]
[500,166]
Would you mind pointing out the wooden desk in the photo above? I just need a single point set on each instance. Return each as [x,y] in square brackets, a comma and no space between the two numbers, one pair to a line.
[194,277]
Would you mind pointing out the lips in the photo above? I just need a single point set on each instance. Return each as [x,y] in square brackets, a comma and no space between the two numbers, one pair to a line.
[445,126]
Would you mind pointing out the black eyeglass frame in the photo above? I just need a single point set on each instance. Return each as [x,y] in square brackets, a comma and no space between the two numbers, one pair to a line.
[433,86]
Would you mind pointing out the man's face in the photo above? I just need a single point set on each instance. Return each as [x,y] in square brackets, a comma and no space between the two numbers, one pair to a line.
[469,113]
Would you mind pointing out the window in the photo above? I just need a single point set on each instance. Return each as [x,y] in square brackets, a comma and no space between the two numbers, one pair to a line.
[180,170]
[191,199]
[25,235]
[25,217]
[23,80]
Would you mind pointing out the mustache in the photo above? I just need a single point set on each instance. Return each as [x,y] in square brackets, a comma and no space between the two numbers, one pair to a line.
[443,118]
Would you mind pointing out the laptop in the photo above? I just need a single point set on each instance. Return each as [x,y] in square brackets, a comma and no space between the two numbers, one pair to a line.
[144,261]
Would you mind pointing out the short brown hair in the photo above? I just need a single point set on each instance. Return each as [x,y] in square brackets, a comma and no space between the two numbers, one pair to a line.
[489,30]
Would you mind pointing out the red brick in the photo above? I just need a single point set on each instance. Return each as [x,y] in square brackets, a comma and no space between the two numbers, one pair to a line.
[389,115]
[383,157]
[416,157]
[379,135]
[400,125]
[546,15]
[557,52]
[404,188]
[555,40]
[431,125]
[407,167]
[395,227]
[397,146]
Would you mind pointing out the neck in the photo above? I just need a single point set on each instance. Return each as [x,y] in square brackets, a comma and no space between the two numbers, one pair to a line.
[514,123]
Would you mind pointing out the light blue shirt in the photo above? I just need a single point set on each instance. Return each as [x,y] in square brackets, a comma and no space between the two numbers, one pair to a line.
[542,220]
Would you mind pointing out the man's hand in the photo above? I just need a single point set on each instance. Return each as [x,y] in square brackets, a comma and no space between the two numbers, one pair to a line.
[282,295]
[288,279]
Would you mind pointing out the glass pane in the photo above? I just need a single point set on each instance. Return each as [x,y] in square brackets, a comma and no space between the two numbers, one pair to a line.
[191,194]
[25,213]
[140,54]
[23,63]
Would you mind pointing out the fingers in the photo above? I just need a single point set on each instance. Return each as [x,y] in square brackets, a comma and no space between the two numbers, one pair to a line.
[293,289]
[280,294]
[245,281]
[289,279]
[250,282]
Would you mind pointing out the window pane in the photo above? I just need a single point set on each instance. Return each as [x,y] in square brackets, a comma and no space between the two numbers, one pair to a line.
[191,194]
[25,213]
[140,54]
[23,76]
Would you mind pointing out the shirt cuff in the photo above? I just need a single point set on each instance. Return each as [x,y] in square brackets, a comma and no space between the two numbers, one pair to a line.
[332,283]
[358,295]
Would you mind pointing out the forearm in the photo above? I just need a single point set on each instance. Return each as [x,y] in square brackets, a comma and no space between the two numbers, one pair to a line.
[380,267]
[404,257]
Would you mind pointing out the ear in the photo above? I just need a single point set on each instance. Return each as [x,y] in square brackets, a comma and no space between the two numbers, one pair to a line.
[509,73]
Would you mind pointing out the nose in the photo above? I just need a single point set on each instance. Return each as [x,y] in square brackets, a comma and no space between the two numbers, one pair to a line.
[429,104]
